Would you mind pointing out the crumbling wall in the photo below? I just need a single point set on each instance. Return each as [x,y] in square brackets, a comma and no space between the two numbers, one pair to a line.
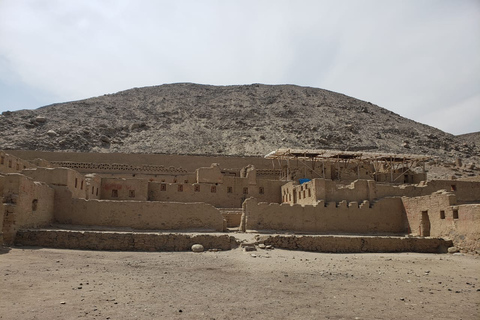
[93,184]
[26,203]
[117,240]
[384,216]
[62,177]
[124,189]
[211,174]
[438,215]
[312,191]
[142,215]
[229,194]
[13,164]
[360,244]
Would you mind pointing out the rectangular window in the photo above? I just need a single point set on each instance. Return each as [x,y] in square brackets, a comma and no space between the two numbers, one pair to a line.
[185,181]
[442,214]
[163,187]
[81,185]
[96,193]
[196,188]
[131,193]
[261,190]
[2,160]
[114,193]
[9,163]
[245,190]
[455,213]
[76,182]
[180,188]
[309,193]
[229,189]
[453,187]
[213,189]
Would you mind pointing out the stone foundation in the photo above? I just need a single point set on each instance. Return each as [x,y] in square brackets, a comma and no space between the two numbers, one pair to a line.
[122,241]
[358,244]
[154,241]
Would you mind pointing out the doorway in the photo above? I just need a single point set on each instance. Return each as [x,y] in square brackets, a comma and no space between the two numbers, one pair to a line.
[425,225]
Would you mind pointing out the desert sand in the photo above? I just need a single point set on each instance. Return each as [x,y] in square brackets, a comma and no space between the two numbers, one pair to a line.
[40,283]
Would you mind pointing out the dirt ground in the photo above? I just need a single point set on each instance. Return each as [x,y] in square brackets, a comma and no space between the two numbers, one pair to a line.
[278,284]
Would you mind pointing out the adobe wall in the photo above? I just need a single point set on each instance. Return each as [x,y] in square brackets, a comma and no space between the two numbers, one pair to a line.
[229,194]
[115,240]
[93,184]
[64,177]
[169,178]
[26,203]
[438,215]
[188,162]
[12,164]
[142,215]
[124,189]
[310,192]
[385,216]
[2,216]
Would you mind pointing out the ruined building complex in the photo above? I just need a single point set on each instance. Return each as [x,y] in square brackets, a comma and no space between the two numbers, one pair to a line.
[295,191]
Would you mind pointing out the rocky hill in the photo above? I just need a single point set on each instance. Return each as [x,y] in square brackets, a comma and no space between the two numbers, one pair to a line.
[252,119]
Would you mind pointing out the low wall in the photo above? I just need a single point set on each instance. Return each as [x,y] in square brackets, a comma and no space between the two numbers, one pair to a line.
[141,215]
[124,241]
[385,216]
[358,244]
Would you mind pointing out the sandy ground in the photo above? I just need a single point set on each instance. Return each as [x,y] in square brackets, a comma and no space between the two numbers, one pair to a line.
[70,284]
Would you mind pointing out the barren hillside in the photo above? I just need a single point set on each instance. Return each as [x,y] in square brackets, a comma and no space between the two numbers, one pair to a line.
[234,120]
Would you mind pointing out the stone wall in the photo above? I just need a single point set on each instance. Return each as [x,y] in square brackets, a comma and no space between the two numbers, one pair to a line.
[385,216]
[141,215]
[438,215]
[358,244]
[115,240]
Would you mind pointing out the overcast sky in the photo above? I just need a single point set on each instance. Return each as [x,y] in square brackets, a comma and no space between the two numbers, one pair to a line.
[419,58]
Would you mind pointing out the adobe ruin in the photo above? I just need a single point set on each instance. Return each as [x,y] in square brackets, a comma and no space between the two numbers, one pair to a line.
[305,192]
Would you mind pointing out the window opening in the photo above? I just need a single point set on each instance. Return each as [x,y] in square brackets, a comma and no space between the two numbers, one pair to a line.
[131,193]
[455,214]
[442,214]
[34,204]
[114,193]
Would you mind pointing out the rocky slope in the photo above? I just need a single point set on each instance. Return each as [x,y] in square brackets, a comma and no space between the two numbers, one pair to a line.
[252,119]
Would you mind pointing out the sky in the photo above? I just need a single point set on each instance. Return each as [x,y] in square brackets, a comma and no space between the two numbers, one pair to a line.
[417,58]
